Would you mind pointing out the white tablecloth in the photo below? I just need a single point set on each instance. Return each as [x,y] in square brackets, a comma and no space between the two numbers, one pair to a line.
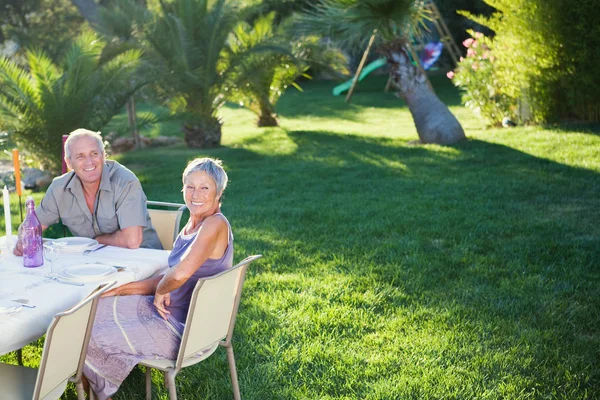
[50,297]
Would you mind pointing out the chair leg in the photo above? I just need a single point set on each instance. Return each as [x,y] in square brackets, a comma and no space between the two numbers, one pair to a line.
[20,357]
[233,370]
[170,377]
[148,383]
[80,391]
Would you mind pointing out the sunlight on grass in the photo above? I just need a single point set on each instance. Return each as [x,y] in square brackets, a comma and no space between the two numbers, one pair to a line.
[393,270]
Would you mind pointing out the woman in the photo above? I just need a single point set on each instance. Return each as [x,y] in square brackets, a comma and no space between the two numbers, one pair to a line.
[145,319]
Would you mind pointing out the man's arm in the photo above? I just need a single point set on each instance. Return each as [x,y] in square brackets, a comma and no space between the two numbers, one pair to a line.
[130,237]
[130,209]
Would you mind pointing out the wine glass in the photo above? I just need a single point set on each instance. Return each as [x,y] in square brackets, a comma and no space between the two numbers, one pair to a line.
[51,253]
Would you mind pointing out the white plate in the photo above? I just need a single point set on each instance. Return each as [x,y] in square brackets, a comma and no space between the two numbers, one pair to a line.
[75,244]
[87,272]
[8,307]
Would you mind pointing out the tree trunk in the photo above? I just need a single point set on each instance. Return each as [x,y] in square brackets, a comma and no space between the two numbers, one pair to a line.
[267,116]
[433,120]
[202,134]
[88,10]
[132,120]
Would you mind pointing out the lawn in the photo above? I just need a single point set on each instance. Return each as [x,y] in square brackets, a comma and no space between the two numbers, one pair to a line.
[399,271]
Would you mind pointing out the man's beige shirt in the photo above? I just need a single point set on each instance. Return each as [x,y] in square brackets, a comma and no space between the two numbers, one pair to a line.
[120,203]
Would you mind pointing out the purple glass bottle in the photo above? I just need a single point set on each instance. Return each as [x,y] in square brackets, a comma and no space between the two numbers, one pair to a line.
[31,237]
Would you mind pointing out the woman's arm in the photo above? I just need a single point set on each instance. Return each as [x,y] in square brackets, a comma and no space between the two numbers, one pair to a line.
[145,287]
[214,231]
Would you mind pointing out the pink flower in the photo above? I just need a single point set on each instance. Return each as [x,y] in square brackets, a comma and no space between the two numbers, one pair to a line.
[475,66]
[462,59]
[475,43]
[470,53]
[468,42]
[450,74]
[485,54]
[478,35]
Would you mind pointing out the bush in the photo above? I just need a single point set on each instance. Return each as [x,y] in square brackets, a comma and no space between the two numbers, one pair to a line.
[544,65]
[477,74]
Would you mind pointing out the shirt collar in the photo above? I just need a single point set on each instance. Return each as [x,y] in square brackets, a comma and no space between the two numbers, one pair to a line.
[74,181]
[105,179]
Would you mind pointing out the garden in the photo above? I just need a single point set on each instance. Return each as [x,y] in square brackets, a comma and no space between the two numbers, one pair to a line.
[393,267]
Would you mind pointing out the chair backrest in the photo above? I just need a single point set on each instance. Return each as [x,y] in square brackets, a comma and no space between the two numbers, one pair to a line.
[213,310]
[66,343]
[166,221]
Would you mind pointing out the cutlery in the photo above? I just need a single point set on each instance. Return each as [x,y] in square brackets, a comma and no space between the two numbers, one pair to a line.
[62,281]
[23,303]
[119,268]
[97,248]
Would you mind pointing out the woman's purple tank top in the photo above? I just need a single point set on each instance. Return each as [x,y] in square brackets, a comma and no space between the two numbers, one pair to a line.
[180,298]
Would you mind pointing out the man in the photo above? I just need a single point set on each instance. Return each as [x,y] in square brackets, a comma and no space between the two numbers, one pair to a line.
[98,198]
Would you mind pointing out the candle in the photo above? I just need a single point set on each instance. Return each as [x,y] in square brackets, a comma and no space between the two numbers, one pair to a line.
[15,154]
[6,201]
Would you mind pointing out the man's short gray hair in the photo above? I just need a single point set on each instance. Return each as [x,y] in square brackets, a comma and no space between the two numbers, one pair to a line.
[212,167]
[78,133]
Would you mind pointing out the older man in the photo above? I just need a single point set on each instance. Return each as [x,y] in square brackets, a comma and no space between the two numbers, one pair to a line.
[98,198]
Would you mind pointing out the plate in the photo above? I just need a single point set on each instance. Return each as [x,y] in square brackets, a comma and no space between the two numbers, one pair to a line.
[87,272]
[75,244]
[8,307]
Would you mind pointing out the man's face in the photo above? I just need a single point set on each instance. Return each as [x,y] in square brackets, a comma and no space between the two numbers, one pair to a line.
[87,159]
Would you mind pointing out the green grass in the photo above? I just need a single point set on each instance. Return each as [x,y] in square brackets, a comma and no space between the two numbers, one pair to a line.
[395,271]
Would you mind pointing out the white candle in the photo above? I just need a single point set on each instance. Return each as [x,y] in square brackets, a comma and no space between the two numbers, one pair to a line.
[7,222]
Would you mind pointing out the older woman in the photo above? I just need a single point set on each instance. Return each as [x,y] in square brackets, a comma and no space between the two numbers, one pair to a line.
[145,319]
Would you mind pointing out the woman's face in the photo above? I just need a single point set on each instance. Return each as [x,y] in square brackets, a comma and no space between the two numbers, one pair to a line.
[200,194]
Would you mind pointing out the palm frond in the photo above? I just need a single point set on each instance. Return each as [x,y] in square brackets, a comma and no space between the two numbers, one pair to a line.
[42,104]
[123,19]
[352,22]
[17,90]
[187,43]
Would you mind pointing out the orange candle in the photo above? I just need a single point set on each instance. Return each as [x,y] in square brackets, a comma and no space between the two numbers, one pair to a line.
[15,154]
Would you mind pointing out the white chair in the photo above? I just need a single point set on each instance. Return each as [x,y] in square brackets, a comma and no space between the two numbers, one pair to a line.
[166,221]
[62,359]
[210,322]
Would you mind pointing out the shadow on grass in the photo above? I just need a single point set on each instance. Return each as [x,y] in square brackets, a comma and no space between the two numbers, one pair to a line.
[573,127]
[369,93]
[497,247]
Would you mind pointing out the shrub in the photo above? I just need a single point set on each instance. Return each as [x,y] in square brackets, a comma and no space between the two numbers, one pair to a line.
[544,67]
[477,74]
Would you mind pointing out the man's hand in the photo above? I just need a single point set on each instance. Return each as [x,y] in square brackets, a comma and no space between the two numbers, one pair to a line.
[18,250]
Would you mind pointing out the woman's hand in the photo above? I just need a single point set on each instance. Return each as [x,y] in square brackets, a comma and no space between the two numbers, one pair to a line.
[161,302]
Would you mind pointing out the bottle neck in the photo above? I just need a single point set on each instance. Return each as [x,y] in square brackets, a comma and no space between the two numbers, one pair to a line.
[30,206]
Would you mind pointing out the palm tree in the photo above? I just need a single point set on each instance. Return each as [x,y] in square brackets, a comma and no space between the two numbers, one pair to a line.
[262,77]
[41,103]
[188,45]
[353,22]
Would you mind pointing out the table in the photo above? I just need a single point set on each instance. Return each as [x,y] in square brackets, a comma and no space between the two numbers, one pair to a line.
[51,297]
